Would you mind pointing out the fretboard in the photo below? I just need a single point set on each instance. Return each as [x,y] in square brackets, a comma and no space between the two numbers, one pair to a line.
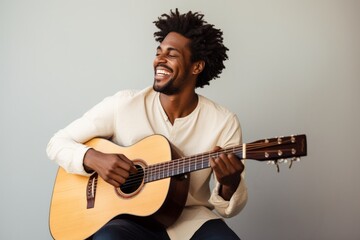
[185,165]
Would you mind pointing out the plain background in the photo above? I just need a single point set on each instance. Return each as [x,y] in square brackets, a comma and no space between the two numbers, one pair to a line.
[294,67]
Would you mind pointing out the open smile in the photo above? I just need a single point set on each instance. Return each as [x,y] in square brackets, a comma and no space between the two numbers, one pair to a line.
[162,72]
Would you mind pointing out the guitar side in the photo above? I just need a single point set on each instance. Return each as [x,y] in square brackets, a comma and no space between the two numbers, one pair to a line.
[71,219]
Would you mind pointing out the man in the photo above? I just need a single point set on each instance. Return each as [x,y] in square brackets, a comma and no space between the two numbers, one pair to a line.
[189,55]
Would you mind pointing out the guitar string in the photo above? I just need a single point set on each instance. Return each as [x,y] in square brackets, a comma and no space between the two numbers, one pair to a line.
[137,179]
[153,172]
[157,171]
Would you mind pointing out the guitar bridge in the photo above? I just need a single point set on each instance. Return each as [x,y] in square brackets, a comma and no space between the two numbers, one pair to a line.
[91,191]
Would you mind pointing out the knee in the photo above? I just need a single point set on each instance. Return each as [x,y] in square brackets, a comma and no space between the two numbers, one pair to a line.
[116,229]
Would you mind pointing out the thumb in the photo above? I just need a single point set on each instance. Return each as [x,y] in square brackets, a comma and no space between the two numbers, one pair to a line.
[216,148]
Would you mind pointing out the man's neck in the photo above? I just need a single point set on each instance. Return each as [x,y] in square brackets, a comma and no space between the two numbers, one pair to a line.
[178,106]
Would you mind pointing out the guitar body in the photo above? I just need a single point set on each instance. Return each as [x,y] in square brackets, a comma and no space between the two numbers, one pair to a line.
[70,216]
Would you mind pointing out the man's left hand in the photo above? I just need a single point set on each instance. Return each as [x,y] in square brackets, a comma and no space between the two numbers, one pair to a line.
[227,169]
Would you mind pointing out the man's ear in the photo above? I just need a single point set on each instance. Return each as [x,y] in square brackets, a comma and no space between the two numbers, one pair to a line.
[198,67]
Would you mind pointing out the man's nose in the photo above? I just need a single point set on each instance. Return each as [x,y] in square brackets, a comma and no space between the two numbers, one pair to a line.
[160,58]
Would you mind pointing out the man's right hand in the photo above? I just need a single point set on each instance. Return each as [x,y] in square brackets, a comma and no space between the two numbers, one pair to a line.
[113,168]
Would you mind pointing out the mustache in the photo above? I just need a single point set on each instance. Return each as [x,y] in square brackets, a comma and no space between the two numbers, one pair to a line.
[164,66]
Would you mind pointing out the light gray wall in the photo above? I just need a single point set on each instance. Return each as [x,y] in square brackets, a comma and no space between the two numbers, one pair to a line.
[293,68]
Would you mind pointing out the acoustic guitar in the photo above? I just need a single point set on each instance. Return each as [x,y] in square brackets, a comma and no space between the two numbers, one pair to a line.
[81,205]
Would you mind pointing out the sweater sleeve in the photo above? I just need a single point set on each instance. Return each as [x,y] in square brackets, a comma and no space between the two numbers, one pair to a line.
[236,203]
[231,137]
[66,147]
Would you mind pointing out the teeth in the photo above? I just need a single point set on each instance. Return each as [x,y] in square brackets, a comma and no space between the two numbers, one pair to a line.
[162,72]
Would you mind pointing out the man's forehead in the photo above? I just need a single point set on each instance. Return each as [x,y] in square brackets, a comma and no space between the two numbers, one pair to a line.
[175,41]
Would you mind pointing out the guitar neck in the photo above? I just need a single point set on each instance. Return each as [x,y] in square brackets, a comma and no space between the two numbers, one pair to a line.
[183,165]
[262,150]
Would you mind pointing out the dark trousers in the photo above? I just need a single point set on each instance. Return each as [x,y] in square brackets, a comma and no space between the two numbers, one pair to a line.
[120,229]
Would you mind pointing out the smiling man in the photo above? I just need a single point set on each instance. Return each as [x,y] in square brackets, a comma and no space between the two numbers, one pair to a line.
[190,54]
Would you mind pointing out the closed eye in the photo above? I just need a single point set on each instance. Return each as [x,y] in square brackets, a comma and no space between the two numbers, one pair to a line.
[171,52]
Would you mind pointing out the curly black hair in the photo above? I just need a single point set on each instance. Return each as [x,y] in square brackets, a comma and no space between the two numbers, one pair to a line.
[206,41]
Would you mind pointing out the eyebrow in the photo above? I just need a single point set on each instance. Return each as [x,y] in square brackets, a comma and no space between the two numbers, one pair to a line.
[169,49]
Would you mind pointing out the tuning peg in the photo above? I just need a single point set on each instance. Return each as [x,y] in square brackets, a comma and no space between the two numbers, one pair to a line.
[295,159]
[274,162]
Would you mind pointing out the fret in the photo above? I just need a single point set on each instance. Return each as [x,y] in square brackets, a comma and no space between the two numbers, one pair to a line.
[149,173]
[166,170]
[146,176]
[178,167]
[162,170]
[202,161]
[156,175]
[195,164]
[171,169]
[152,174]
[174,167]
[189,165]
[183,166]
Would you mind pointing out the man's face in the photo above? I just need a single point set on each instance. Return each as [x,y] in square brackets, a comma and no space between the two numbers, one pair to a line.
[172,65]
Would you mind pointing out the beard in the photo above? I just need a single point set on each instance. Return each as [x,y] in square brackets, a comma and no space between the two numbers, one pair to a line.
[173,85]
[168,89]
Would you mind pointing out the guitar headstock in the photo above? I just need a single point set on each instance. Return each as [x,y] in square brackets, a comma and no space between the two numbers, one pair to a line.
[276,149]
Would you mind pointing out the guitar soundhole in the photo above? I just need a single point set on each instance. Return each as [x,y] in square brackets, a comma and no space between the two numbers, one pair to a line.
[133,184]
